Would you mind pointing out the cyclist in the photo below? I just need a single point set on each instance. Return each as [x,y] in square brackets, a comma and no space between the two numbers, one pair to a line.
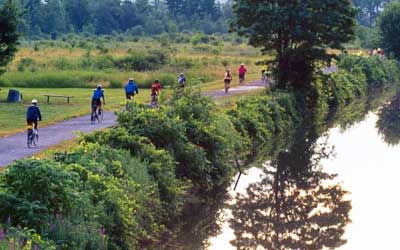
[242,73]
[33,114]
[155,91]
[156,88]
[227,80]
[131,88]
[98,94]
[182,80]
[263,74]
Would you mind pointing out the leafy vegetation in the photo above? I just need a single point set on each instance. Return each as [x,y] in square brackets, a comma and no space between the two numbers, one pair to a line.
[49,19]
[125,188]
[387,23]
[8,33]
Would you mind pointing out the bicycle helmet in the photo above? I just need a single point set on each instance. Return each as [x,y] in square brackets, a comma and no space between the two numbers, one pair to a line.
[131,79]
[34,101]
[156,81]
[99,86]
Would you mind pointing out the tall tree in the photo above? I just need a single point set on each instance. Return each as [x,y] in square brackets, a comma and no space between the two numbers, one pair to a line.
[389,25]
[299,31]
[8,32]
[78,13]
[368,10]
[54,16]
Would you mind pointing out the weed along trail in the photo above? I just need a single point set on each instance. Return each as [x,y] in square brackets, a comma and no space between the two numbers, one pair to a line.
[14,147]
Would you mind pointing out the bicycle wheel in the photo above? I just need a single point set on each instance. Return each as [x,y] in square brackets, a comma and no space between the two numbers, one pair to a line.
[100,115]
[35,138]
[30,138]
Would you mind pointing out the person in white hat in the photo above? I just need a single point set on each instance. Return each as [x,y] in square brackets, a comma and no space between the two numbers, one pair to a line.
[130,89]
[33,114]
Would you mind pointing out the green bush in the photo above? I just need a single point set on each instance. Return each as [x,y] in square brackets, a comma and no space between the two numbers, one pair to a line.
[142,61]
[26,62]
[378,71]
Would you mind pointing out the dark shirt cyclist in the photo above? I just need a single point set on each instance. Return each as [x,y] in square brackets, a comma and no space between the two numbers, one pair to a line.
[98,94]
[33,114]
[131,88]
[182,80]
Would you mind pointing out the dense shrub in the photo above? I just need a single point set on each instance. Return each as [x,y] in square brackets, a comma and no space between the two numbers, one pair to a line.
[199,140]
[139,61]
[377,71]
[25,63]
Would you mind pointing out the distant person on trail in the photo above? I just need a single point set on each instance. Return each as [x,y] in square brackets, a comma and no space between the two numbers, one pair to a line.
[33,114]
[227,80]
[182,80]
[263,70]
[242,73]
[98,94]
[131,88]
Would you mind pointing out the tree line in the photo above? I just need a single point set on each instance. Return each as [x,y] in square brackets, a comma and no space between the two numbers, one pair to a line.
[136,17]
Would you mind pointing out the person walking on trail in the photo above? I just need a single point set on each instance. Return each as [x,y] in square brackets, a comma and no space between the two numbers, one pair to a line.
[33,114]
[130,89]
[227,80]
[98,94]
[242,73]
[182,81]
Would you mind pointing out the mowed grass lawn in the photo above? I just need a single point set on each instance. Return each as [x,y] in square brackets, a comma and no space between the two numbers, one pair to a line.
[13,116]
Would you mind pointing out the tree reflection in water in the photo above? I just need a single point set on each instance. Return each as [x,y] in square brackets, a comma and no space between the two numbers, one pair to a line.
[388,123]
[296,206]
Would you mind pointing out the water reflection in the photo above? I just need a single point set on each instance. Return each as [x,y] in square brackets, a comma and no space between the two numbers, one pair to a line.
[296,205]
[388,123]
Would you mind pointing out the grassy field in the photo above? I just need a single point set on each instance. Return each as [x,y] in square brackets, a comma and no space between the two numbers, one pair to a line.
[12,116]
[58,68]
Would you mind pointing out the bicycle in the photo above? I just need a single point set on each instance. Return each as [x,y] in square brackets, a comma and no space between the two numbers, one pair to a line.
[97,114]
[241,80]
[154,101]
[32,136]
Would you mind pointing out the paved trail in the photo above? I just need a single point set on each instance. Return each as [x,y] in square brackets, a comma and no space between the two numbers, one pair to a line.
[14,147]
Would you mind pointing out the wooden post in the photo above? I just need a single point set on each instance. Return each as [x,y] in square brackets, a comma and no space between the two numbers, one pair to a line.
[48,99]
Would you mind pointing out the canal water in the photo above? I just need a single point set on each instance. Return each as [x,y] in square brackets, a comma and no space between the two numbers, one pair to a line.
[335,191]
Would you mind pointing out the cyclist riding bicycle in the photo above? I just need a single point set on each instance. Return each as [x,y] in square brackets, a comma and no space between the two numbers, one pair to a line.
[182,80]
[33,114]
[98,94]
[227,80]
[263,70]
[156,88]
[155,91]
[131,88]
[242,73]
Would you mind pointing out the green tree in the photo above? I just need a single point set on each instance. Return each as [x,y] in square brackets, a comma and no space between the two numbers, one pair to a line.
[8,33]
[389,26]
[78,13]
[299,31]
[369,10]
